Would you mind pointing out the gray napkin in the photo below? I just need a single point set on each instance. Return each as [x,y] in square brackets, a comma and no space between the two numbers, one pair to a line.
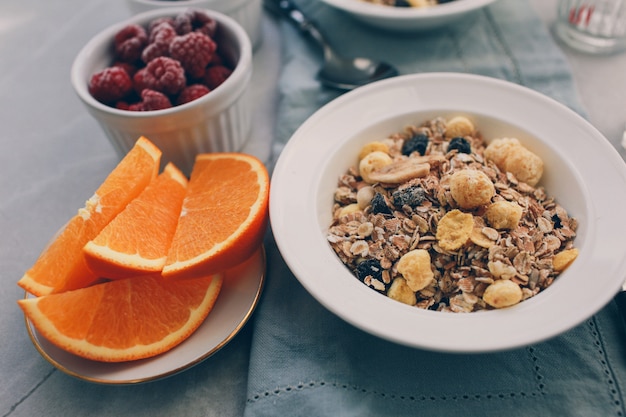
[307,362]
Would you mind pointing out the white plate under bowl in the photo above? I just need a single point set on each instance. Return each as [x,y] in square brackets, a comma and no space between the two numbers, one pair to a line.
[400,19]
[583,172]
[235,304]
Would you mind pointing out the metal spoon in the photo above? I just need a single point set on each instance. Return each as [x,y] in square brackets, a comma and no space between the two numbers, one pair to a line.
[337,72]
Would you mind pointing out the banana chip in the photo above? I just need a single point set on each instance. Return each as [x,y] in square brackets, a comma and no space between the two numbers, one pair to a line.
[454,230]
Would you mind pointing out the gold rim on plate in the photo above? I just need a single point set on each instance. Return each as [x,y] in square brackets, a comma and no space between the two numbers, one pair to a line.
[250,275]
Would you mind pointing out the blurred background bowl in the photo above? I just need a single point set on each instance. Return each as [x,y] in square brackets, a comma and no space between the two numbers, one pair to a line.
[219,121]
[583,172]
[409,18]
[246,12]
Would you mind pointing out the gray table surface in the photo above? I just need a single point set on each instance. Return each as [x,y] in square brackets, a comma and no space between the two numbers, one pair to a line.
[54,155]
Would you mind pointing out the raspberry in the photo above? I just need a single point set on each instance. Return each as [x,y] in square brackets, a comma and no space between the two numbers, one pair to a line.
[216,75]
[129,68]
[159,42]
[129,42]
[162,33]
[158,21]
[162,74]
[195,21]
[191,93]
[110,85]
[216,60]
[142,80]
[154,100]
[194,51]
[123,105]
[136,107]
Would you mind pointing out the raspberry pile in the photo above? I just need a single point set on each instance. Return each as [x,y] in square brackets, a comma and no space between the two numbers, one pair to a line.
[172,61]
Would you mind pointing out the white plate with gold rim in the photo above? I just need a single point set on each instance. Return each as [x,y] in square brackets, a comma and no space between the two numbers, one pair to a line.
[235,304]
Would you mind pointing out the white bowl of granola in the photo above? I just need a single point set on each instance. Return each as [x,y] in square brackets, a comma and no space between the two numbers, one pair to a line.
[429,15]
[539,238]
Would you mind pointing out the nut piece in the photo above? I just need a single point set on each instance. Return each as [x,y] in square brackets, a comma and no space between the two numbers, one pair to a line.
[400,171]
[400,291]
[459,126]
[364,196]
[502,293]
[349,209]
[415,268]
[564,259]
[371,162]
[501,270]
[510,155]
[454,229]
[373,147]
[471,188]
[504,215]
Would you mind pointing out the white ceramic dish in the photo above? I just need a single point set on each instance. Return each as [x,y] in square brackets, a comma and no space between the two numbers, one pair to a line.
[409,19]
[583,171]
[216,122]
[247,12]
[235,304]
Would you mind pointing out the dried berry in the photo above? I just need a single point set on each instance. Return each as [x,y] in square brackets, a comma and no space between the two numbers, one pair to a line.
[194,51]
[216,75]
[557,221]
[129,42]
[379,205]
[460,144]
[411,196]
[191,93]
[195,21]
[417,143]
[110,85]
[369,267]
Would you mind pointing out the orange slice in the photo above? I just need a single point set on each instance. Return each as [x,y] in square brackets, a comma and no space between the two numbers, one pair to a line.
[137,240]
[126,319]
[224,215]
[61,266]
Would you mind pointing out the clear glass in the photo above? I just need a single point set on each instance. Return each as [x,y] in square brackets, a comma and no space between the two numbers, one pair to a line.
[594,26]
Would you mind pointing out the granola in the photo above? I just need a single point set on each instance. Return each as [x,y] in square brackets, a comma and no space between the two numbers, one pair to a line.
[407,3]
[435,218]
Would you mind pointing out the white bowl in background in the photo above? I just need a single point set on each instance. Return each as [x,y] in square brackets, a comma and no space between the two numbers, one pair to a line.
[409,18]
[216,122]
[247,13]
[583,172]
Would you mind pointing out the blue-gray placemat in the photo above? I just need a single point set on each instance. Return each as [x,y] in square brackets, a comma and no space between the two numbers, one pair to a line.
[307,362]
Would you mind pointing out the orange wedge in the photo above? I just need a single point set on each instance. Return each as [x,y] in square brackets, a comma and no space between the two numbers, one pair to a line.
[125,319]
[224,215]
[61,266]
[136,241]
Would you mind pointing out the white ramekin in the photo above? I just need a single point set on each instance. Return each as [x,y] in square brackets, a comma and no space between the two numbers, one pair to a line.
[216,122]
